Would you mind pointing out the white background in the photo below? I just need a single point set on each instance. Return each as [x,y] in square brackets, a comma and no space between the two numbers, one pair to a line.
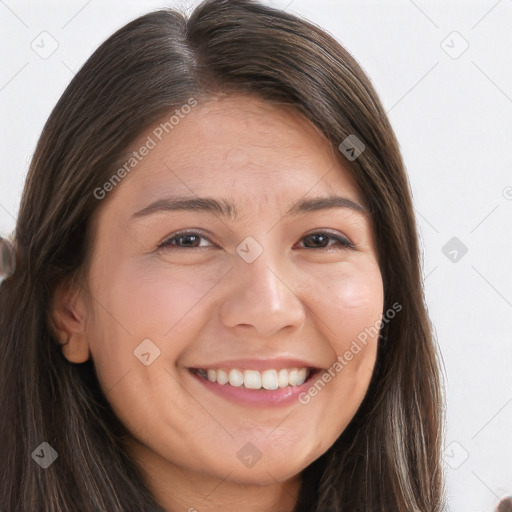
[452,113]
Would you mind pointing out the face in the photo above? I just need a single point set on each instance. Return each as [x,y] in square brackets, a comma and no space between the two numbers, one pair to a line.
[267,283]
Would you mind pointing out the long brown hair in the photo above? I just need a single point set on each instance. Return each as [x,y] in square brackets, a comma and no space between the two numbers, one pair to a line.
[389,457]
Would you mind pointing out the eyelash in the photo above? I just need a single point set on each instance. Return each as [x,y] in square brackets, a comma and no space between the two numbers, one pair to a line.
[343,242]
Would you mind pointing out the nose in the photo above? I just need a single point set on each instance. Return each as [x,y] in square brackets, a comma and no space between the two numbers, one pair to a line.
[261,299]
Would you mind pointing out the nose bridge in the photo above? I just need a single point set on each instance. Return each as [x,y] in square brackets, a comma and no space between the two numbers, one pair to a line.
[261,296]
[260,275]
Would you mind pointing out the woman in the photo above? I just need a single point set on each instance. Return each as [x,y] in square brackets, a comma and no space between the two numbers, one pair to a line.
[217,299]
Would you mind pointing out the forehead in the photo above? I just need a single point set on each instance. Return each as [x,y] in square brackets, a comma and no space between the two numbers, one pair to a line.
[241,147]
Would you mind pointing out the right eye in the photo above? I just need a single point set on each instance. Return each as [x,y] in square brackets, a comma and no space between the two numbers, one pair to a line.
[188,238]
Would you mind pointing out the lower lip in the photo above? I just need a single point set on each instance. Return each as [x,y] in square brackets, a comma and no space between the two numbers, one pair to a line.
[257,397]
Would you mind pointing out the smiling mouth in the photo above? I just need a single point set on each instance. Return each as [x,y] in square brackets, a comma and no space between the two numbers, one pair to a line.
[270,379]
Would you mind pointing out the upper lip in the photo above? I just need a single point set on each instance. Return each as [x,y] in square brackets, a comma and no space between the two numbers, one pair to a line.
[258,364]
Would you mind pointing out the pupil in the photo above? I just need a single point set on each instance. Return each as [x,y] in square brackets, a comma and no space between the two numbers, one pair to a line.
[318,238]
[188,238]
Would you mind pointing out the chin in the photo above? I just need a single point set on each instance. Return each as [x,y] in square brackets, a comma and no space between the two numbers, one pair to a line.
[261,474]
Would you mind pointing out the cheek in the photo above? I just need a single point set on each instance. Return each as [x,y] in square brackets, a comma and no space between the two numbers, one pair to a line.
[132,305]
[352,301]
[351,313]
[347,314]
[152,303]
[358,288]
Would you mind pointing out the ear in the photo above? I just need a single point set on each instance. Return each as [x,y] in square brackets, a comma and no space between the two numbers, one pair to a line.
[67,319]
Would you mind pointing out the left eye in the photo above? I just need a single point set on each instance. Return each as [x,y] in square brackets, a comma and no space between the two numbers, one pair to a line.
[189,238]
[320,237]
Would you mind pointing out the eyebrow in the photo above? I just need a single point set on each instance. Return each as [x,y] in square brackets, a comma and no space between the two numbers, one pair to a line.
[225,208]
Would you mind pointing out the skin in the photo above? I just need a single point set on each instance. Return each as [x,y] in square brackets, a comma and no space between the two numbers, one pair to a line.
[300,298]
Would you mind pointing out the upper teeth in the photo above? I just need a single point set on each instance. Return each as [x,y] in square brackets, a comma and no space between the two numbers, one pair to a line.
[253,379]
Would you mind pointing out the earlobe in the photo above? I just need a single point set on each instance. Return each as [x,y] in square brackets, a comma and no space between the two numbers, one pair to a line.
[76,350]
[67,322]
